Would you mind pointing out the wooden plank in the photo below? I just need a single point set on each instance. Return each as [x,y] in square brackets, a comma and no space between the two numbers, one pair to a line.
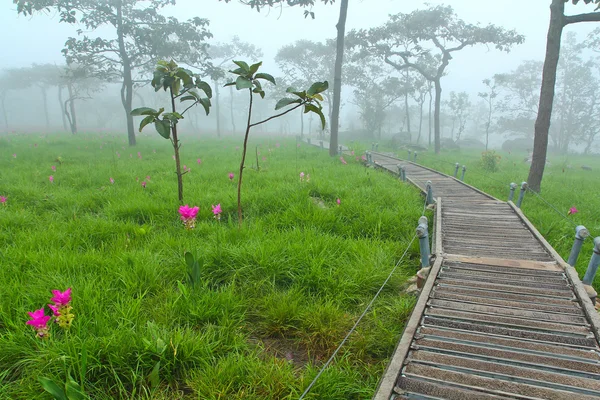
[386,386]
[505,262]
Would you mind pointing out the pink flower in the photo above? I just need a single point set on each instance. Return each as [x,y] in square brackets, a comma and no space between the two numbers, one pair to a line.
[53,168]
[2,199]
[139,154]
[264,158]
[51,179]
[38,319]
[301,176]
[54,310]
[338,201]
[188,213]
[15,155]
[572,210]
[173,157]
[277,145]
[363,157]
[147,177]
[199,161]
[352,152]
[61,298]
[112,180]
[298,145]
[217,211]
[144,184]
[231,176]
[343,161]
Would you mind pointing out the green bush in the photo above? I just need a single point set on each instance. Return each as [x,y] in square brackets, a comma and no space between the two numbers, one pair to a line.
[490,161]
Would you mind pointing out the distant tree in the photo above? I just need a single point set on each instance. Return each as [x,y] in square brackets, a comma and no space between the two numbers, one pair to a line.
[339,54]
[375,91]
[141,36]
[558,20]
[460,107]
[222,54]
[401,43]
[8,82]
[420,90]
[489,96]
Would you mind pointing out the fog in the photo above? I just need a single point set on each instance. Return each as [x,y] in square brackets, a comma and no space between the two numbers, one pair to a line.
[39,39]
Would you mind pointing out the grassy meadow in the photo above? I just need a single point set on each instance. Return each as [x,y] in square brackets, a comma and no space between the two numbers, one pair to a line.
[275,297]
[565,185]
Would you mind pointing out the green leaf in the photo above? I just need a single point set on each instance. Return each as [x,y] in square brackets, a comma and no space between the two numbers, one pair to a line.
[293,91]
[52,388]
[240,71]
[266,77]
[154,377]
[255,67]
[148,120]
[189,259]
[260,92]
[163,127]
[286,102]
[74,391]
[317,87]
[243,65]
[205,87]
[312,108]
[186,76]
[243,83]
[176,86]
[206,104]
[143,111]
[229,84]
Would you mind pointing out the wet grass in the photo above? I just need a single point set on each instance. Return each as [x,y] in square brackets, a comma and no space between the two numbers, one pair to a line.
[275,298]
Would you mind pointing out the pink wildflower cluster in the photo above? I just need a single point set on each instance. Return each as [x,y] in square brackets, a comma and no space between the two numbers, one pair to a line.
[3,200]
[217,211]
[572,210]
[61,310]
[343,160]
[188,216]
[304,177]
[231,176]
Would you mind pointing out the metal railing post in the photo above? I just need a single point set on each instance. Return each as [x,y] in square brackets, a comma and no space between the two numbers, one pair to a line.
[308,140]
[592,268]
[403,174]
[511,194]
[429,190]
[423,234]
[321,144]
[462,176]
[521,194]
[376,146]
[456,167]
[373,146]
[580,234]
[415,157]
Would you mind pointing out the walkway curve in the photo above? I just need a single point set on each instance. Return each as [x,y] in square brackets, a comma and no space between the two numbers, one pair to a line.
[501,315]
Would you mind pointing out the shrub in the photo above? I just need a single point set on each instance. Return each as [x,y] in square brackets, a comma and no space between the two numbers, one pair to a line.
[490,161]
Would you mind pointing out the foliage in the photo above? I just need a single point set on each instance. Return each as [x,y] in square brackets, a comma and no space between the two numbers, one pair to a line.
[460,107]
[181,84]
[249,78]
[141,37]
[490,161]
[424,40]
[292,261]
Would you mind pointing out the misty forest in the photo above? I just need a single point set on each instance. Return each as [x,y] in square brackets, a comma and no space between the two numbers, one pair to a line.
[196,196]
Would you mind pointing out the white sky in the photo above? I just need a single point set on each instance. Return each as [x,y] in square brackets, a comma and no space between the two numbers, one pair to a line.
[39,39]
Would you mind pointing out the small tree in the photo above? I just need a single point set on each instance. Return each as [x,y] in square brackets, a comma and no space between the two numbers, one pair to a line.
[181,84]
[248,78]
[488,97]
[460,105]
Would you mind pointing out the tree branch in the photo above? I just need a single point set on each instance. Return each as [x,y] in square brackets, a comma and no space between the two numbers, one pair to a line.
[588,17]
[278,115]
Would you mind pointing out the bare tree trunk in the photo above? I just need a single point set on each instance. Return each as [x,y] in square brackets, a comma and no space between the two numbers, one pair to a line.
[231,107]
[436,115]
[429,116]
[62,108]
[72,116]
[406,106]
[3,104]
[420,119]
[45,99]
[542,123]
[127,87]
[337,78]
[217,108]
[175,142]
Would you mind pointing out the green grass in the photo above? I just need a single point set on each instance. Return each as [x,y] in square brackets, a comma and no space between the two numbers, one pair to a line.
[565,185]
[276,296]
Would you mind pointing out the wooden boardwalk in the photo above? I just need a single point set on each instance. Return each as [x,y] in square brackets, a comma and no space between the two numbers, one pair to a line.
[501,315]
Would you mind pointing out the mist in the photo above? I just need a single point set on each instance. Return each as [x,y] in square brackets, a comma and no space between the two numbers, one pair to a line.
[36,97]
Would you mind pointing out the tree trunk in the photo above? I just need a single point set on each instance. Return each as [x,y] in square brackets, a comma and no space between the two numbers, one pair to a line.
[542,123]
[429,116]
[337,78]
[62,108]
[72,116]
[406,106]
[217,109]
[420,119]
[127,87]
[175,142]
[231,108]
[45,99]
[239,188]
[436,115]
